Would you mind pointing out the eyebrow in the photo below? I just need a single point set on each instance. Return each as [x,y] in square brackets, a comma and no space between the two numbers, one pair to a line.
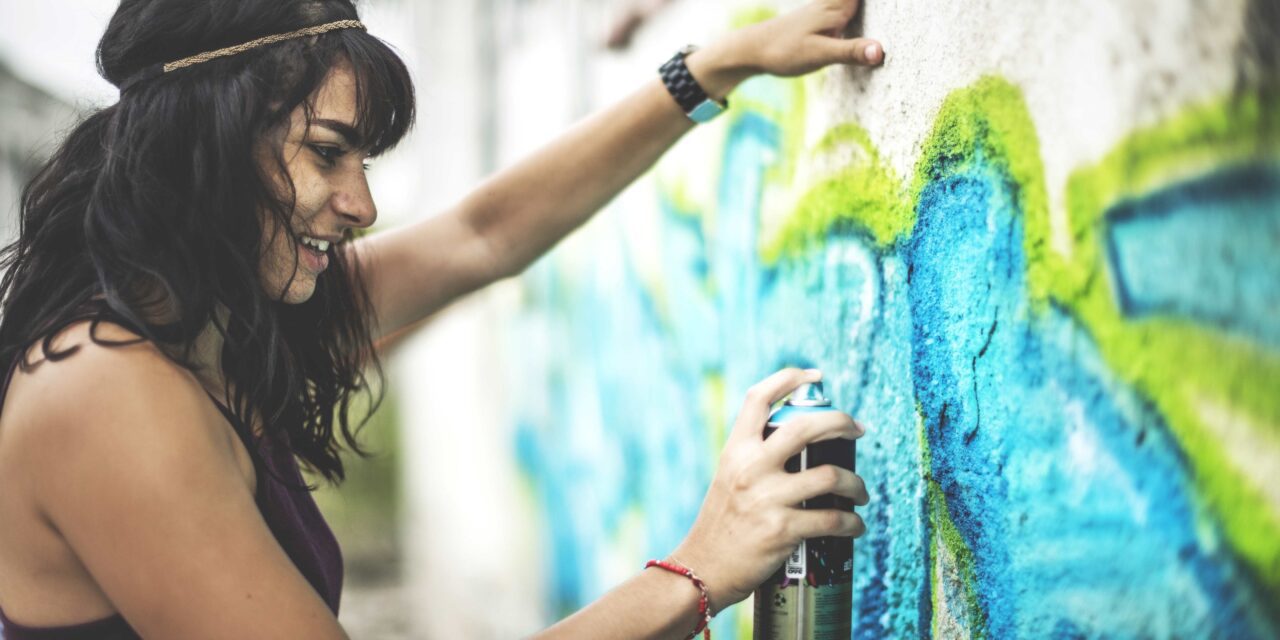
[346,131]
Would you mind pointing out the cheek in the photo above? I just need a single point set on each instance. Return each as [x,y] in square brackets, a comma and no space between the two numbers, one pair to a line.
[310,201]
[310,184]
[278,256]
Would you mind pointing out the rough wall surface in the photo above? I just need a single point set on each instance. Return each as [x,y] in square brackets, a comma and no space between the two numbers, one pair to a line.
[1038,253]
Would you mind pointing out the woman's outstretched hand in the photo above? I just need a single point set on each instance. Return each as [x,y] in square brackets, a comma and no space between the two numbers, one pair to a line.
[750,520]
[792,44]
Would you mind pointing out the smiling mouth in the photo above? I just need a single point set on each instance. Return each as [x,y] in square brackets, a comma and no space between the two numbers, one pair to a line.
[320,246]
[315,252]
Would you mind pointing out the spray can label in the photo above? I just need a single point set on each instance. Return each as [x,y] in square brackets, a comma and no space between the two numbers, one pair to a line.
[795,568]
[810,597]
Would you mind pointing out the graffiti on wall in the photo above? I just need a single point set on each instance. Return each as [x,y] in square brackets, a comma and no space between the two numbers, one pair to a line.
[1075,424]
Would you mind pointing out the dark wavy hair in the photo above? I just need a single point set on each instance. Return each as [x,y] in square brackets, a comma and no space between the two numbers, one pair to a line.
[160,202]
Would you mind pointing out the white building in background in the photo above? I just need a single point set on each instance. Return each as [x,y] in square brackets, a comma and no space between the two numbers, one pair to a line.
[47,82]
[463,561]
[495,79]
[28,129]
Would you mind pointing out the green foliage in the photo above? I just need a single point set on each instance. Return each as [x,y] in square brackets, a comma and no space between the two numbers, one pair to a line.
[364,511]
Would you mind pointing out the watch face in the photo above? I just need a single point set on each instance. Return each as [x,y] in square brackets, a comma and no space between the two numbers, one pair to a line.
[705,111]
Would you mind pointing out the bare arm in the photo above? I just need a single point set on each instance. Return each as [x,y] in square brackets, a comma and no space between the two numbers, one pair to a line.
[654,604]
[748,523]
[518,214]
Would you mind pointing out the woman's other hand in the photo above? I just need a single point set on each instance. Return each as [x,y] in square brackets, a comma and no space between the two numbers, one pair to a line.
[792,44]
[750,519]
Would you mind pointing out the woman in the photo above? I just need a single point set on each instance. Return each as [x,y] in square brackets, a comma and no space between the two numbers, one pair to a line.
[187,272]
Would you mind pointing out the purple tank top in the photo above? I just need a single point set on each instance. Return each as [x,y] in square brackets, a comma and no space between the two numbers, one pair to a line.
[288,509]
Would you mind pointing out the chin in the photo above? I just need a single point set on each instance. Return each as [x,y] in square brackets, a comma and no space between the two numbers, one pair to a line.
[299,295]
[299,291]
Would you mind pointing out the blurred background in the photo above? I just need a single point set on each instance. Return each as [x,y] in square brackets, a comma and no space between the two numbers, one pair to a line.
[1037,252]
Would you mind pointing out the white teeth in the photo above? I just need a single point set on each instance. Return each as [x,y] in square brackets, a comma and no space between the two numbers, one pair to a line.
[319,245]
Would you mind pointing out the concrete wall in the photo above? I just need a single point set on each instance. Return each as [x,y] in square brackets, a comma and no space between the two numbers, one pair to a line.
[1036,253]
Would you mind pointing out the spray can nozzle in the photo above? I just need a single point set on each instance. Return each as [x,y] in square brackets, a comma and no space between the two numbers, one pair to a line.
[809,394]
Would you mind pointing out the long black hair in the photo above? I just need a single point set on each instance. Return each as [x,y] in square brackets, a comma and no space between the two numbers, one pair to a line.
[159,201]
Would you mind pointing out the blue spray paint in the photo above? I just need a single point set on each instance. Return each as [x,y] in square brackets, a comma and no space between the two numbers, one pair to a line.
[1063,482]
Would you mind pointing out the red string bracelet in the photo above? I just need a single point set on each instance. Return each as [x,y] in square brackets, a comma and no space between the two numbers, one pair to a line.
[704,613]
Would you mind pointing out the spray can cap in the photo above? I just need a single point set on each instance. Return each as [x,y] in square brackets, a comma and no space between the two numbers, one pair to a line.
[809,394]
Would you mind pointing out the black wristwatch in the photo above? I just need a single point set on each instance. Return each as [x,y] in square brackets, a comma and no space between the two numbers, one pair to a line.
[687,92]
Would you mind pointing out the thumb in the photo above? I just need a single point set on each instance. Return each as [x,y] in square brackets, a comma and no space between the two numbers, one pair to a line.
[762,395]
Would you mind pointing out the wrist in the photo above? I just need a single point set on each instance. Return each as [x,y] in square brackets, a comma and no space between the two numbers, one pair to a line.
[718,598]
[721,66]
[703,611]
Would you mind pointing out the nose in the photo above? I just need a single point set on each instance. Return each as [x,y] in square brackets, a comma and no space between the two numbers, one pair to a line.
[353,201]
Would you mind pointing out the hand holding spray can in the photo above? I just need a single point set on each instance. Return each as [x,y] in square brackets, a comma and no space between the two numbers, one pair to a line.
[811,596]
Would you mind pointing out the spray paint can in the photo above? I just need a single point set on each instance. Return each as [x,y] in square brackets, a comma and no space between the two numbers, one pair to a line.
[811,596]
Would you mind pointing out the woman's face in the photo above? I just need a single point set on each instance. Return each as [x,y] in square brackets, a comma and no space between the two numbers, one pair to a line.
[326,163]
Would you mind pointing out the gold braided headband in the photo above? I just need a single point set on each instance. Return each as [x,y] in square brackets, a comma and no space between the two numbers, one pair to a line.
[156,70]
[252,44]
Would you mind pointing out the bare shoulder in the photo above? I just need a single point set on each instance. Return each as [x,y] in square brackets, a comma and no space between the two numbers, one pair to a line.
[126,457]
[105,401]
[74,355]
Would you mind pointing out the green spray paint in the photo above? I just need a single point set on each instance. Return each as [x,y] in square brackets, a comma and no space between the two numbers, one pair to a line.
[1174,362]
[945,536]
[866,195]
[1169,361]
[992,115]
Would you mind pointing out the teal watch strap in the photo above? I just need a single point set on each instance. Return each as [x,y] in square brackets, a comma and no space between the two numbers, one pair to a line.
[705,111]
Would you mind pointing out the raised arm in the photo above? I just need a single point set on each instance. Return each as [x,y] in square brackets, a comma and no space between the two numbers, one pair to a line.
[521,212]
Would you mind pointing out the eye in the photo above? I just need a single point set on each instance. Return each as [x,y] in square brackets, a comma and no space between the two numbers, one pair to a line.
[367,163]
[327,153]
